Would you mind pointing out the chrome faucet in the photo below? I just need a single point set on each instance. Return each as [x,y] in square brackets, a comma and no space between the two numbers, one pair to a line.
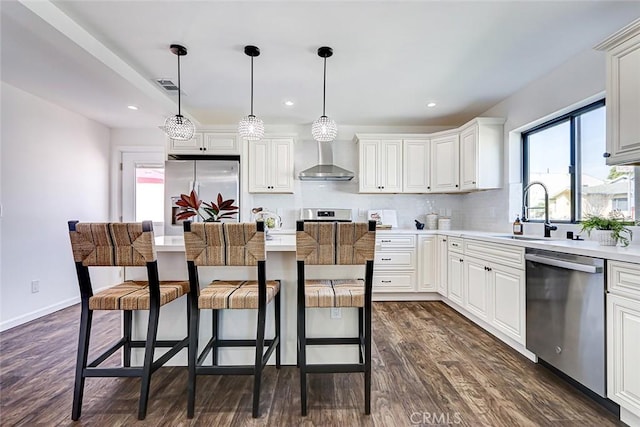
[547,225]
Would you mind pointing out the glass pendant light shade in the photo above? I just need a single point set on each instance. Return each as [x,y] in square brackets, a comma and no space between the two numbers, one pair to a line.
[250,127]
[324,129]
[179,127]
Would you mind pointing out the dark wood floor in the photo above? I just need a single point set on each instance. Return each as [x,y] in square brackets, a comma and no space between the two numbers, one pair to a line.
[431,367]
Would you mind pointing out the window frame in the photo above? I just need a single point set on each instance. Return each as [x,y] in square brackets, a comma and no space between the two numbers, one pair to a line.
[575,167]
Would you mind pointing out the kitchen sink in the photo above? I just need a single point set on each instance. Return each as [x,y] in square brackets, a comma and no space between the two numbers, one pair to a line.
[513,237]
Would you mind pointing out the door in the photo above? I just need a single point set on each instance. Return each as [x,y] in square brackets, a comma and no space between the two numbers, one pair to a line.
[215,177]
[416,166]
[455,277]
[281,165]
[192,146]
[476,283]
[369,153]
[442,265]
[142,184]
[427,267]
[468,158]
[508,300]
[390,166]
[259,166]
[444,163]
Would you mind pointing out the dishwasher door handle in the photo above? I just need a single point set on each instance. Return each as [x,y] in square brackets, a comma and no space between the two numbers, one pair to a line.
[563,264]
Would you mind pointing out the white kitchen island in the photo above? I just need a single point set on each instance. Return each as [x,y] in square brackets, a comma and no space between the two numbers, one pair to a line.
[281,264]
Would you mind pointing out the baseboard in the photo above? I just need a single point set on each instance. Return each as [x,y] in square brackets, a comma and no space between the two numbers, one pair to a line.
[36,314]
[406,296]
[629,418]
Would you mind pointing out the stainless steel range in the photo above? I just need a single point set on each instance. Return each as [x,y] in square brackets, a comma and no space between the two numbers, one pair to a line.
[323,214]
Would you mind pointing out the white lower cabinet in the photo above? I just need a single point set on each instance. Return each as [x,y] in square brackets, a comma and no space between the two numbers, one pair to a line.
[623,333]
[442,265]
[427,268]
[395,263]
[507,298]
[455,277]
[476,282]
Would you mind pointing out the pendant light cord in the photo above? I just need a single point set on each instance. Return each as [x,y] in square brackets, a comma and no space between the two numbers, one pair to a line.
[324,87]
[252,85]
[179,111]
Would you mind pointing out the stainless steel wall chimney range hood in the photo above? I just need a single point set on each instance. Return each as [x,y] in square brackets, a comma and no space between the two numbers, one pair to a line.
[325,170]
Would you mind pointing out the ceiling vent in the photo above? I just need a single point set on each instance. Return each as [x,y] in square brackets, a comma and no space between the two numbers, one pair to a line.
[167,85]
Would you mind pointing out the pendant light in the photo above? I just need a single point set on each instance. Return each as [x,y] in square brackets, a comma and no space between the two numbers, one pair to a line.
[179,127]
[250,127]
[324,129]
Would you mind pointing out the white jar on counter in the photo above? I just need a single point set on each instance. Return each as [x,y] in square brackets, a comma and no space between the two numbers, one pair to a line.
[432,221]
[444,224]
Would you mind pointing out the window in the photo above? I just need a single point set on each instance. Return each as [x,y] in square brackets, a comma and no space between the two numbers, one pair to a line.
[565,154]
[149,193]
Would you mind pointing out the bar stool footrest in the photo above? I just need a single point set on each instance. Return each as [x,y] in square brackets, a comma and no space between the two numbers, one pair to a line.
[337,368]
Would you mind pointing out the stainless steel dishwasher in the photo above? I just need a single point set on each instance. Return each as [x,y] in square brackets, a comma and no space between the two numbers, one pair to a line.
[566,315]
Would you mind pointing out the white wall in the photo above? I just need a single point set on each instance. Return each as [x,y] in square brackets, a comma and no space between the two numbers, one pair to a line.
[54,167]
[579,81]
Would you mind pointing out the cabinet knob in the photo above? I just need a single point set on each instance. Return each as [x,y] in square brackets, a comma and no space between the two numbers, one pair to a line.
[386,281]
[473,182]
[461,260]
[204,148]
[428,188]
[200,148]
[605,155]
[456,185]
[386,259]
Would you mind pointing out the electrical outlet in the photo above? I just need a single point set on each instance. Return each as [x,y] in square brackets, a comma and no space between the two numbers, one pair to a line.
[336,313]
[35,286]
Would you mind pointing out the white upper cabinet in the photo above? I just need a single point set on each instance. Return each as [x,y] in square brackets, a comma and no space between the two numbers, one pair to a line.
[380,165]
[480,154]
[444,163]
[271,165]
[206,143]
[416,166]
[623,95]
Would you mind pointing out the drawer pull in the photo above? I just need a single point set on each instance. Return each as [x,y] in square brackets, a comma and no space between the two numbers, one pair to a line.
[386,259]
[386,281]
[385,241]
[454,244]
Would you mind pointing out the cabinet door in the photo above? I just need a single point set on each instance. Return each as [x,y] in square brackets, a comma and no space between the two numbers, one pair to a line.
[194,145]
[390,166]
[259,166]
[508,301]
[281,168]
[369,153]
[455,277]
[469,158]
[623,352]
[444,163]
[416,177]
[427,263]
[476,285]
[623,103]
[221,143]
[442,265]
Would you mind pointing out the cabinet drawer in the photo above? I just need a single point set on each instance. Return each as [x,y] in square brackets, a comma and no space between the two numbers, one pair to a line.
[395,241]
[624,278]
[394,282]
[512,256]
[395,260]
[455,244]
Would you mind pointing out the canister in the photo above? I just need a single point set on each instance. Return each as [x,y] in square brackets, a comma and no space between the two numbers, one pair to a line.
[444,224]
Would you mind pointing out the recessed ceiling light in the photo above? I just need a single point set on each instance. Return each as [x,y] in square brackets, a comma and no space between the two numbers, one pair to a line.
[288,103]
[431,104]
[132,107]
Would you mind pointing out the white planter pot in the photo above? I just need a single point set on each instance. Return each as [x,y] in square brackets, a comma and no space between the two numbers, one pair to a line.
[604,237]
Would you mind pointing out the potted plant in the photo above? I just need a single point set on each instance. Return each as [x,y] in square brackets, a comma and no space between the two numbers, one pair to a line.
[209,212]
[607,230]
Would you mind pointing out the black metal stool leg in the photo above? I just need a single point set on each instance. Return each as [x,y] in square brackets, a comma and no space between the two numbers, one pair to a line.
[149,351]
[367,361]
[194,322]
[81,362]
[257,378]
[126,354]
[302,360]
[277,316]
[360,333]
[215,331]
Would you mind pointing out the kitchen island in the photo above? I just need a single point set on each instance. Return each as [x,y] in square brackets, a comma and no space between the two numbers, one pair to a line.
[281,264]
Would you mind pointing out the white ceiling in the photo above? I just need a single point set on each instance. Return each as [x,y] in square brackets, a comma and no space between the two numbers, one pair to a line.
[390,57]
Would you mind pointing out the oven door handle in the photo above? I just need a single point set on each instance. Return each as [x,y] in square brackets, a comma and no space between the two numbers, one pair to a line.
[563,264]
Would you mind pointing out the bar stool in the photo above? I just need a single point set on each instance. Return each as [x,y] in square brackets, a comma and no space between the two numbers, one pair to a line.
[322,243]
[229,244]
[121,245]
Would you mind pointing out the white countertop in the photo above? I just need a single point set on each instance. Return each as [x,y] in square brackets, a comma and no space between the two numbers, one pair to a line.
[285,241]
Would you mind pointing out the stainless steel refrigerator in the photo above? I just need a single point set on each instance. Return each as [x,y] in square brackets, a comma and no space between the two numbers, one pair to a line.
[207,177]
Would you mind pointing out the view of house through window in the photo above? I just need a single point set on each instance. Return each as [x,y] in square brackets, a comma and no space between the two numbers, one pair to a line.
[149,193]
[565,154]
